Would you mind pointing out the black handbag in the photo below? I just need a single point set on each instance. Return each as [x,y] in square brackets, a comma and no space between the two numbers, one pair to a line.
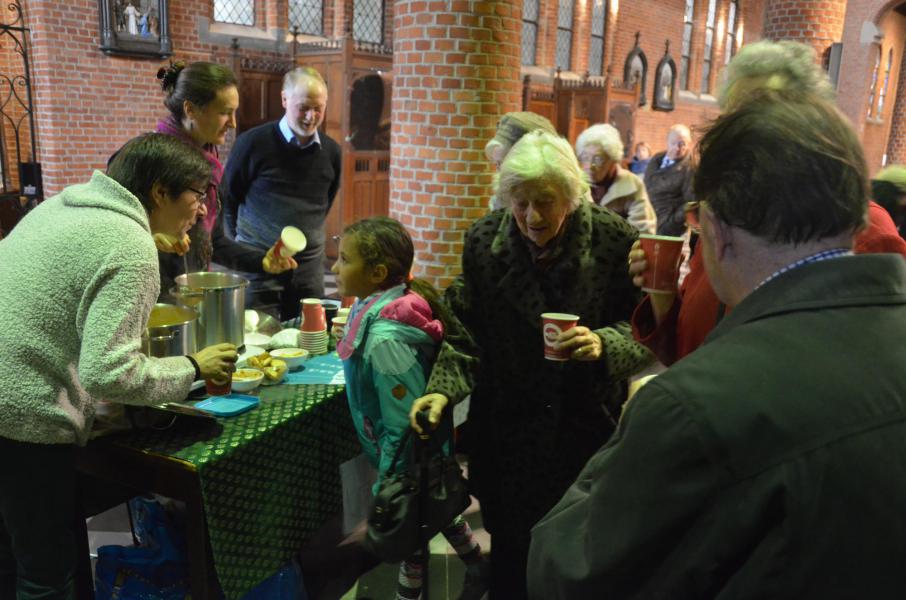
[412,506]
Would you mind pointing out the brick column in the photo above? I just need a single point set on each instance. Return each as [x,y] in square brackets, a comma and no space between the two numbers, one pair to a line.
[818,23]
[455,72]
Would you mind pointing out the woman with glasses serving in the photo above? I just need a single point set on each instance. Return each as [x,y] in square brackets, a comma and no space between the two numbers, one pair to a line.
[600,150]
[673,325]
[202,99]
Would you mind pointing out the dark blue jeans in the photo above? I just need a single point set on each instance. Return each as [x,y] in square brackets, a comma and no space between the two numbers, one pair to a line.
[37,521]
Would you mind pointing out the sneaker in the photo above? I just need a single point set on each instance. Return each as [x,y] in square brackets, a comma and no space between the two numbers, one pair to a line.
[477,581]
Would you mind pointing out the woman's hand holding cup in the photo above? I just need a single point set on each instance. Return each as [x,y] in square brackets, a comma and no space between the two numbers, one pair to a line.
[434,404]
[582,343]
[217,362]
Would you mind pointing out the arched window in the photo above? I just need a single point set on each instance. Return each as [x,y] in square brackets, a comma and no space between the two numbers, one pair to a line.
[874,84]
[709,47]
[530,11]
[368,21]
[686,50]
[307,15]
[883,93]
[239,12]
[564,34]
[664,81]
[635,69]
[730,46]
[596,52]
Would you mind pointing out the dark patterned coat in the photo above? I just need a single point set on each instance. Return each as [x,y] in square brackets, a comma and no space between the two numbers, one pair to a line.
[533,422]
[669,189]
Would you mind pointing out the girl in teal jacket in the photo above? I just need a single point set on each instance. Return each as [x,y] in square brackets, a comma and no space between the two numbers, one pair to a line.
[391,339]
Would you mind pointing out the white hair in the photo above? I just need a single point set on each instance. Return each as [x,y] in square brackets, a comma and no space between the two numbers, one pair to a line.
[680,130]
[542,159]
[604,135]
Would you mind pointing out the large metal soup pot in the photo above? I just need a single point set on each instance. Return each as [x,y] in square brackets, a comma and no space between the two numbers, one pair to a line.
[170,332]
[219,301]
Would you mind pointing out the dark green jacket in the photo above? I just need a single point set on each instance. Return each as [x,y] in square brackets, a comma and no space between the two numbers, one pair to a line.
[535,422]
[769,463]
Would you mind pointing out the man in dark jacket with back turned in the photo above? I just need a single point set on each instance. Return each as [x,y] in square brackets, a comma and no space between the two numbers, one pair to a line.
[286,173]
[668,180]
[771,462]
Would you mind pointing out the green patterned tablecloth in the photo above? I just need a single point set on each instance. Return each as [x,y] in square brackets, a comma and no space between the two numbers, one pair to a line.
[269,477]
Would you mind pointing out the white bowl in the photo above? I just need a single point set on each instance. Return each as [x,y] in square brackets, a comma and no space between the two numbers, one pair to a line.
[293,357]
[257,339]
[245,380]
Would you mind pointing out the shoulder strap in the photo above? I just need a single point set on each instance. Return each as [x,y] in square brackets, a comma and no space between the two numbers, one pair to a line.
[404,441]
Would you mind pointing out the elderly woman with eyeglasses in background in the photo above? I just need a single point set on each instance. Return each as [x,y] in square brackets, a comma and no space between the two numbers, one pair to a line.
[600,151]
[673,325]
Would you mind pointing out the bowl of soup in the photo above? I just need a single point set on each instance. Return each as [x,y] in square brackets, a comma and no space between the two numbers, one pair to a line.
[293,357]
[245,380]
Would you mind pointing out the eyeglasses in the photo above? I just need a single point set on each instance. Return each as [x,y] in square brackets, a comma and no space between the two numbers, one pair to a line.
[692,217]
[595,161]
[199,195]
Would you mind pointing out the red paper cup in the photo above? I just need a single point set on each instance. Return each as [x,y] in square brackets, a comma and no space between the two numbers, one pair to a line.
[291,242]
[553,324]
[347,301]
[218,388]
[663,254]
[313,315]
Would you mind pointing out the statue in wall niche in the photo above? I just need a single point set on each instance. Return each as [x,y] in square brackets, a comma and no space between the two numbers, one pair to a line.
[119,13]
[132,16]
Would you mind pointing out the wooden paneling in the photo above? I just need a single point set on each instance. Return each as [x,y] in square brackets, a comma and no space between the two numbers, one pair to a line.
[572,106]
[364,189]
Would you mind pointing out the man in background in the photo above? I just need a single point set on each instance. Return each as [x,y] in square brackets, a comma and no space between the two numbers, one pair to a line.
[285,173]
[668,179]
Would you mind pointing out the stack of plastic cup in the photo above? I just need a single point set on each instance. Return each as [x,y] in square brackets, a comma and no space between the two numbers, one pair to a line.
[313,336]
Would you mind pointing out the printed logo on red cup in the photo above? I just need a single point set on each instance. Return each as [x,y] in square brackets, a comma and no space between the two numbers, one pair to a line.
[552,325]
[291,242]
[663,254]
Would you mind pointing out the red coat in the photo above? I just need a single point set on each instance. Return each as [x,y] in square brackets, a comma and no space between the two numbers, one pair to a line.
[697,309]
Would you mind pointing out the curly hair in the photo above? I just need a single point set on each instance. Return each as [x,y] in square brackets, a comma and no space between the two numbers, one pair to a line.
[385,241]
[604,135]
[197,82]
[781,70]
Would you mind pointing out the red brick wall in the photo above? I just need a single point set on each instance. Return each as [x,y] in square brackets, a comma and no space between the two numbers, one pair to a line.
[456,70]
[815,22]
[657,21]
[88,103]
[859,55]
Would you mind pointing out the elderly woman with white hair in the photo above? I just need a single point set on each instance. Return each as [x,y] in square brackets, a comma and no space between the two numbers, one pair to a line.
[600,150]
[534,422]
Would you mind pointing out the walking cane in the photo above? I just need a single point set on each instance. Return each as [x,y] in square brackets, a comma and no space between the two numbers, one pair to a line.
[423,443]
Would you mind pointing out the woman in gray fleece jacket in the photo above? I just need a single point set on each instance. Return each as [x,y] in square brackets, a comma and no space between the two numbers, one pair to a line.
[78,279]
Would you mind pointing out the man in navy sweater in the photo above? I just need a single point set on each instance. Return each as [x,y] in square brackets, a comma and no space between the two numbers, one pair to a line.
[285,173]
